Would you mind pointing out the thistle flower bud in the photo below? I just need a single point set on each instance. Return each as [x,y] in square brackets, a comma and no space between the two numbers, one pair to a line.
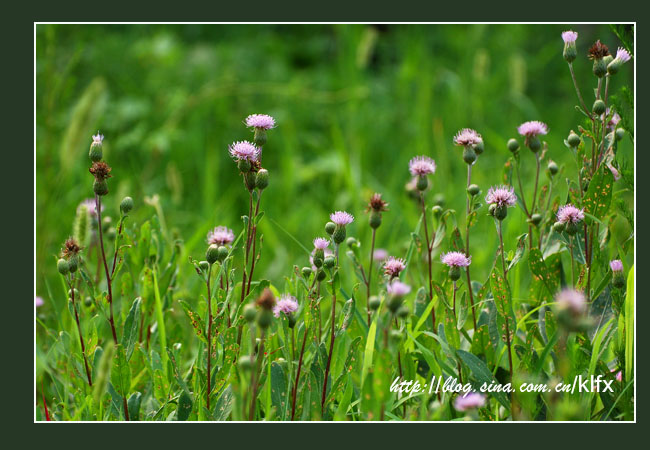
[250,179]
[330,227]
[352,242]
[100,187]
[321,275]
[500,212]
[473,190]
[469,155]
[73,263]
[571,228]
[437,211]
[599,107]
[491,209]
[262,179]
[291,320]
[534,144]
[600,67]
[374,302]
[374,219]
[212,254]
[454,273]
[513,145]
[204,266]
[259,138]
[573,139]
[244,165]
[402,313]
[479,147]
[339,234]
[570,51]
[618,280]
[535,219]
[559,227]
[620,133]
[95,154]
[552,168]
[222,253]
[306,272]
[264,318]
[88,301]
[329,262]
[613,64]
[126,205]
[422,183]
[250,312]
[394,303]
[62,266]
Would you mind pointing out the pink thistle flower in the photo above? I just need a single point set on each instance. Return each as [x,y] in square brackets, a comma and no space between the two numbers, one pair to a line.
[570,214]
[98,139]
[616,265]
[244,150]
[287,305]
[532,128]
[341,218]
[38,301]
[471,400]
[261,121]
[622,55]
[501,196]
[466,137]
[393,266]
[422,165]
[455,259]
[619,374]
[379,254]
[398,289]
[221,236]
[571,300]
[569,37]
[614,121]
[321,243]
[91,206]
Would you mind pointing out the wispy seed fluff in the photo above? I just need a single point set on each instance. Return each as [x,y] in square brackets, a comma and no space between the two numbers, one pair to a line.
[287,305]
[532,128]
[261,121]
[341,218]
[501,196]
[321,243]
[244,150]
[570,214]
[398,289]
[616,265]
[455,259]
[393,266]
[466,137]
[422,165]
[569,37]
[221,236]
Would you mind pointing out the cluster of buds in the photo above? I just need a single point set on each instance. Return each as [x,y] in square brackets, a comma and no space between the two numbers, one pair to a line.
[336,228]
[69,261]
[248,155]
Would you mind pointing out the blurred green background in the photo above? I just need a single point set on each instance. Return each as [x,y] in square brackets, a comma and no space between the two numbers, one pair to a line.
[353,104]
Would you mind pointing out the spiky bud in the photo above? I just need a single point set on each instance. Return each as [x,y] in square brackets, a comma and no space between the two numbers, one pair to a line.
[500,212]
[375,219]
[306,272]
[264,318]
[573,139]
[535,219]
[212,254]
[204,266]
[62,266]
[559,227]
[552,168]
[321,275]
[329,262]
[402,312]
[491,209]
[454,273]
[95,153]
[599,107]
[260,137]
[352,242]
[339,234]
[330,227]
[249,179]
[244,165]
[100,187]
[262,179]
[534,144]
[571,228]
[126,205]
[469,155]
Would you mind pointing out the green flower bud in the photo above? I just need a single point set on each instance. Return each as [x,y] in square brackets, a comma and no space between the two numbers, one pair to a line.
[95,154]
[394,303]
[620,133]
[306,272]
[573,139]
[552,168]
[422,183]
[339,234]
[244,165]
[500,212]
[479,148]
[374,302]
[321,275]
[491,209]
[570,52]
[352,242]
[535,219]
[469,155]
[100,187]
[222,253]
[249,179]
[454,273]
[571,228]
[260,137]
[599,107]
[88,301]
[534,144]
[608,59]
[262,179]
[558,227]
[473,190]
[291,321]
[250,312]
[62,266]
[403,312]
[375,219]
[329,262]
[613,64]
[73,263]
[126,205]
[618,280]
[513,145]
[212,254]
[437,211]
[600,67]
[204,266]
[330,227]
[264,318]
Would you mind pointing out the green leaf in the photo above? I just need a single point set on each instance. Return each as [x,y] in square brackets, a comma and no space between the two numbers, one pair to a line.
[121,372]
[519,253]
[483,375]
[131,324]
[540,270]
[279,397]
[224,405]
[133,404]
[503,303]
[598,197]
[184,408]
[629,326]
[195,320]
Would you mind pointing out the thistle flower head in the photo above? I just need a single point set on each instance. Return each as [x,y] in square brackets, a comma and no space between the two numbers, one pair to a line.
[266,300]
[321,243]
[471,400]
[598,50]
[379,254]
[287,304]
[377,204]
[341,218]
[571,300]
[98,139]
[220,236]
[532,128]
[455,259]
[100,170]
[38,301]
[398,289]
[244,150]
[622,55]
[466,137]
[91,206]
[261,121]
[393,266]
[570,214]
[569,37]
[422,165]
[70,248]
[616,265]
[501,196]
